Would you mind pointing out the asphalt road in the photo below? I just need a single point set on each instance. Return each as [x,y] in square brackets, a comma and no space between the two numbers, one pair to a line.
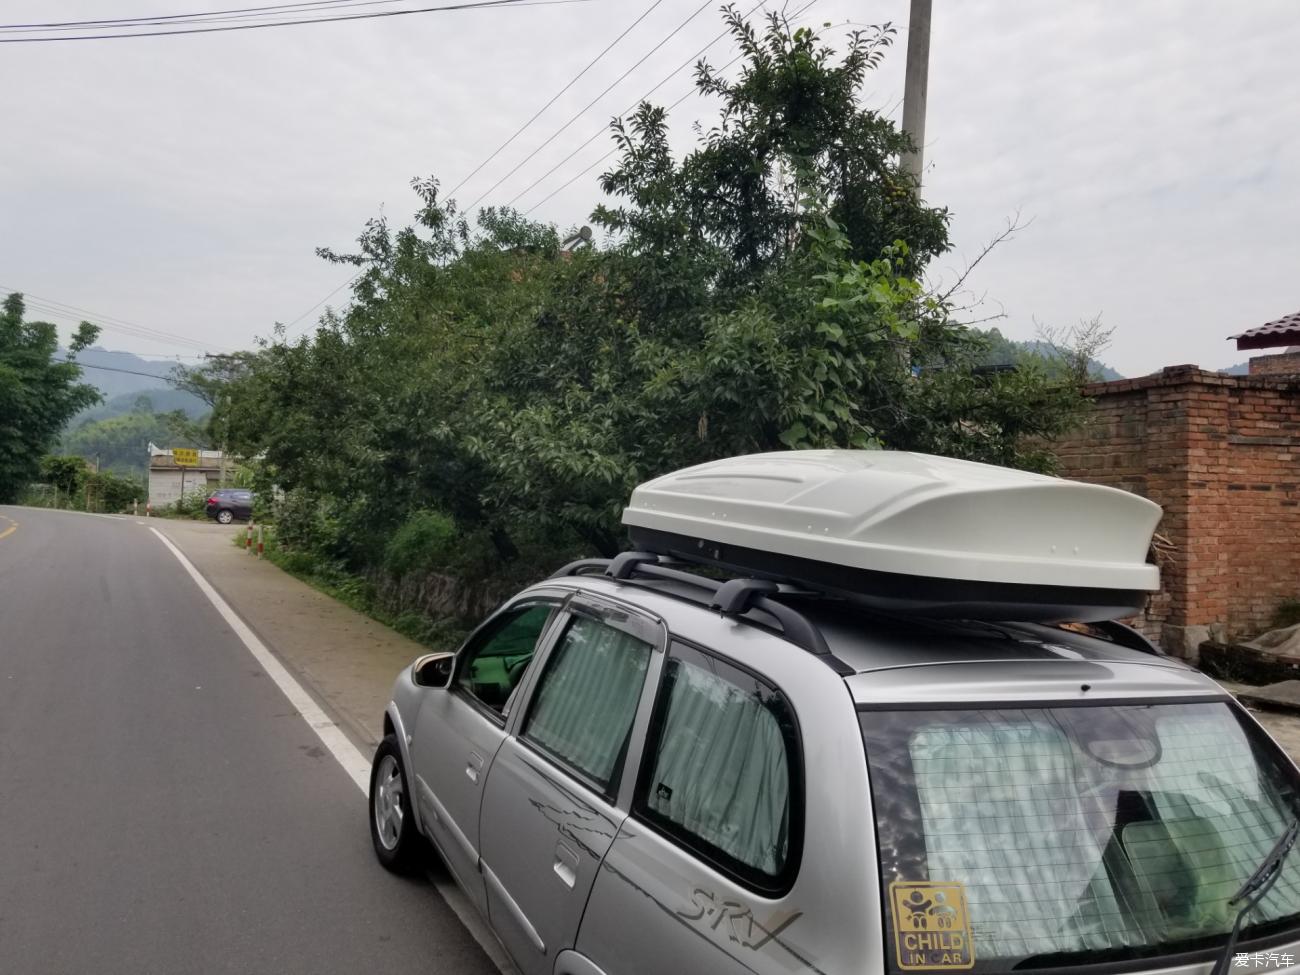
[163,809]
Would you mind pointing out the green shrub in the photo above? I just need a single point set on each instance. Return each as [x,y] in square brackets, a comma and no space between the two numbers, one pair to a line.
[1286,614]
[426,540]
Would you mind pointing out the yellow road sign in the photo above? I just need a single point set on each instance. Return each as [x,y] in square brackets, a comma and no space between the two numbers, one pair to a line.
[185,457]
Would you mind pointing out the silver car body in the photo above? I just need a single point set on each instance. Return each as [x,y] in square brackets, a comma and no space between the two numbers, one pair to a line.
[574,882]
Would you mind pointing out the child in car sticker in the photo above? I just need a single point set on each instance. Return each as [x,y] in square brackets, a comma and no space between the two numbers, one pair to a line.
[931,926]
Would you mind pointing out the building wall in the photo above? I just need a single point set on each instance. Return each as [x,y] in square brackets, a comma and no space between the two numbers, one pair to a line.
[165,484]
[1221,455]
[1278,364]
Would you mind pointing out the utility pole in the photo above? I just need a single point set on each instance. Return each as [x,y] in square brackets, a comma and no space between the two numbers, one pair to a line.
[915,85]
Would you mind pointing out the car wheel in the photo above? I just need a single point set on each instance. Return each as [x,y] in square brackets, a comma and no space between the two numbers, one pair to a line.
[392,829]
[225,516]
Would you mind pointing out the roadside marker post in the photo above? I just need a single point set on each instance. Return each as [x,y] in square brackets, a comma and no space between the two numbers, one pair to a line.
[259,541]
[248,538]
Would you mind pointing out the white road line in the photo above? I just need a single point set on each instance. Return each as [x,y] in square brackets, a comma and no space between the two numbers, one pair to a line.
[330,734]
[356,765]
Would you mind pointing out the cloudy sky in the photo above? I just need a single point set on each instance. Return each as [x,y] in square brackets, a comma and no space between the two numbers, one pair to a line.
[181,184]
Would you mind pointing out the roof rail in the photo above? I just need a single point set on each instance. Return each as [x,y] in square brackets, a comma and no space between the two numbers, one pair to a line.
[733,598]
[1126,636]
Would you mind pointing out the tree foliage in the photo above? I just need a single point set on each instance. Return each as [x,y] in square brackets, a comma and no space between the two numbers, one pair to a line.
[121,443]
[763,292]
[38,393]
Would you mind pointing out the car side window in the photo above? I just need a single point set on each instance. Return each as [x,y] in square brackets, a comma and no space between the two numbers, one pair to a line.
[583,708]
[494,661]
[722,772]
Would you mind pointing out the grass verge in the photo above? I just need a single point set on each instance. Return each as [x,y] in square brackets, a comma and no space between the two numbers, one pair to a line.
[358,593]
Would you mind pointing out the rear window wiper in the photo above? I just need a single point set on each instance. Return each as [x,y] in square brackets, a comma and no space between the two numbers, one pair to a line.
[1256,887]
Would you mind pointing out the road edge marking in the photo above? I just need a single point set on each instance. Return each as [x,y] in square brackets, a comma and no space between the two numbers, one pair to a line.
[339,744]
[326,728]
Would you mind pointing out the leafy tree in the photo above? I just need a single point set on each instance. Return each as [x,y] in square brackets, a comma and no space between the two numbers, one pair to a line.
[762,292]
[121,443]
[77,486]
[62,472]
[38,393]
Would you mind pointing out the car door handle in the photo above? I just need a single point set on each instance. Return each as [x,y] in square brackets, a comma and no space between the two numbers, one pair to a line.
[566,865]
[473,766]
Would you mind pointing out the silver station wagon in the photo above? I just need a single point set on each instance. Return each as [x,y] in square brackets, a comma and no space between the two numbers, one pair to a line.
[847,712]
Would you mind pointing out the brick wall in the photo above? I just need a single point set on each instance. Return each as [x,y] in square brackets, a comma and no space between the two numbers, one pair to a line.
[1221,455]
[1280,364]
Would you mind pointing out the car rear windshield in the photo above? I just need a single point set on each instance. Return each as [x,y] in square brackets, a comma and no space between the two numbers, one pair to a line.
[1057,837]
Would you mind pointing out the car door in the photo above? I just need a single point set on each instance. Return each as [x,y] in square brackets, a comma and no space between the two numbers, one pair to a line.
[699,876]
[550,809]
[458,731]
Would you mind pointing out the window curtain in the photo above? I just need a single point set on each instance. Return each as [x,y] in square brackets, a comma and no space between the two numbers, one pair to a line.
[1002,817]
[588,697]
[721,771]
[1002,805]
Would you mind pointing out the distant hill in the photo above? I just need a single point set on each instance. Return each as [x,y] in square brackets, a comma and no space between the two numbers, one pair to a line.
[1005,351]
[144,401]
[1240,369]
[123,377]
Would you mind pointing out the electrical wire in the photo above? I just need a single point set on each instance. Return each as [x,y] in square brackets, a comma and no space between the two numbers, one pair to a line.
[556,134]
[574,80]
[583,172]
[155,18]
[41,309]
[129,372]
[468,5]
[289,325]
[61,309]
[605,128]
[573,179]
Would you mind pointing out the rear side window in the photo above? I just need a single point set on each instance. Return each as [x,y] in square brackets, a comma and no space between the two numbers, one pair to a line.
[721,773]
[584,705]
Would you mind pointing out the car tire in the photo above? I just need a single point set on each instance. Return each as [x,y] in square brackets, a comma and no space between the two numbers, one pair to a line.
[392,827]
[225,516]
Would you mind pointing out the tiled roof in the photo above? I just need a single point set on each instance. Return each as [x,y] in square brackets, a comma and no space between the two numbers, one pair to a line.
[1284,331]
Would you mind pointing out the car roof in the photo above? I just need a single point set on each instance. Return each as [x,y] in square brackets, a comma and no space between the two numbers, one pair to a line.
[896,659]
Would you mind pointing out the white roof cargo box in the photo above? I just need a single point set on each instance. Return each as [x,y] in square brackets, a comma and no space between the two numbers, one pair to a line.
[909,532]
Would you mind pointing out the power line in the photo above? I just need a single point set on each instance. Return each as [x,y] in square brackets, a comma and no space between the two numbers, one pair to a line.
[43,309]
[323,300]
[182,20]
[582,172]
[470,5]
[605,128]
[129,372]
[556,134]
[154,18]
[112,323]
[572,82]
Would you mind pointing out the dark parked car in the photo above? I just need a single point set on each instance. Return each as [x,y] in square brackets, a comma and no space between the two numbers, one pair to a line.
[227,504]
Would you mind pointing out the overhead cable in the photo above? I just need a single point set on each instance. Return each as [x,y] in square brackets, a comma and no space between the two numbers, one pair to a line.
[556,134]
[158,18]
[469,5]
[572,81]
[605,128]
[588,168]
